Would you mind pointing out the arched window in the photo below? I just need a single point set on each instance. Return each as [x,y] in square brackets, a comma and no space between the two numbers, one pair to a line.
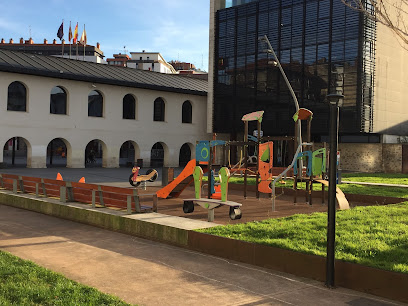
[158,113]
[129,107]
[157,155]
[187,112]
[58,101]
[185,155]
[17,97]
[95,104]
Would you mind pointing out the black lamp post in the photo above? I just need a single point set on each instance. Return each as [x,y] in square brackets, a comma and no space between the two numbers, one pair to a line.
[335,101]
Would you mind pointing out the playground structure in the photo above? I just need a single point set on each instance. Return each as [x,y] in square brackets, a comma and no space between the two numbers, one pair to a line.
[315,170]
[308,165]
[135,179]
[210,203]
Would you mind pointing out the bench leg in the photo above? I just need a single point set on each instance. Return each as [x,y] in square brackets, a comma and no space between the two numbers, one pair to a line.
[137,201]
[43,188]
[93,198]
[63,194]
[37,188]
[210,215]
[101,196]
[14,186]
[129,204]
[155,200]
[21,184]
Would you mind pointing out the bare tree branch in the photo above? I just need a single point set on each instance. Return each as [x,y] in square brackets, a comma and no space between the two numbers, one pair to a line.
[391,13]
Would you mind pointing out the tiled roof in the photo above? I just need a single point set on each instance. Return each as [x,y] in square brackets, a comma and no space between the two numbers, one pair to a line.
[50,66]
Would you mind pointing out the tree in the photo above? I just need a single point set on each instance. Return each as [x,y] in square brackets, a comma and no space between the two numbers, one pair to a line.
[391,13]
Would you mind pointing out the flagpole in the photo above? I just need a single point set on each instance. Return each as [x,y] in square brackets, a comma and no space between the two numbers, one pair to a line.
[84,43]
[69,38]
[62,44]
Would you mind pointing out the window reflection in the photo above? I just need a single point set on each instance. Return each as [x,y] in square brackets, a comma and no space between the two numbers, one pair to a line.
[314,62]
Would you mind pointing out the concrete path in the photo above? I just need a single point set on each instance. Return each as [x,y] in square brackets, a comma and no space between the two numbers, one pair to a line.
[374,184]
[150,273]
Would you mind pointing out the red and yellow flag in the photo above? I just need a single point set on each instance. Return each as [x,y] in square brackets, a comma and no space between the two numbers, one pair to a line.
[70,33]
[76,34]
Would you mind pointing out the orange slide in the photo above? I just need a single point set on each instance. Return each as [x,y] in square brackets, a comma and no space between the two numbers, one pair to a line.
[176,187]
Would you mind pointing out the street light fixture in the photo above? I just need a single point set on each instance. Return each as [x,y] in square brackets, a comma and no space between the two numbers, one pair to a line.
[335,101]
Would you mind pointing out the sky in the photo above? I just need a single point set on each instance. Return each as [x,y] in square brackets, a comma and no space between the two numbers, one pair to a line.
[178,29]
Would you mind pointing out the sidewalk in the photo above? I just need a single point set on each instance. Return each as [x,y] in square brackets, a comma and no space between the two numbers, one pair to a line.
[150,273]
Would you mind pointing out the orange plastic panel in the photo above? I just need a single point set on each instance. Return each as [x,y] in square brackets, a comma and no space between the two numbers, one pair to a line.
[265,169]
[187,171]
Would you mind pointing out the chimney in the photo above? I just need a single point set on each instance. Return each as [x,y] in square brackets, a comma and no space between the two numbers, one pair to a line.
[21,40]
[98,45]
[45,41]
[29,42]
[11,40]
[2,41]
[54,42]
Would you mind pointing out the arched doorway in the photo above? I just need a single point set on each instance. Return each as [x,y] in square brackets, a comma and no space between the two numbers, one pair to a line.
[15,152]
[185,155]
[128,154]
[94,154]
[57,153]
[157,155]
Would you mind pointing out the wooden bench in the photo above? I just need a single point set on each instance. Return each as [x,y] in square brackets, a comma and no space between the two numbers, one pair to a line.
[210,204]
[105,196]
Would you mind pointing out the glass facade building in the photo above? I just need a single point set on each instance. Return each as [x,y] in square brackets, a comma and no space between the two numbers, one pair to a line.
[323,46]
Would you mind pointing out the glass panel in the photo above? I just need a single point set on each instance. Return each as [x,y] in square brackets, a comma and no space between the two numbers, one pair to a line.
[17,97]
[58,101]
[158,112]
[129,107]
[95,104]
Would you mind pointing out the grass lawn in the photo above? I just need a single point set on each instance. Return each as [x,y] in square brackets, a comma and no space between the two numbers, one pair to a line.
[386,178]
[24,283]
[375,236]
[383,178]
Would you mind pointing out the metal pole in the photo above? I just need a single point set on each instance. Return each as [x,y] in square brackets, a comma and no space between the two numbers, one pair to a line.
[246,159]
[51,151]
[265,38]
[259,157]
[209,170]
[331,213]
[13,151]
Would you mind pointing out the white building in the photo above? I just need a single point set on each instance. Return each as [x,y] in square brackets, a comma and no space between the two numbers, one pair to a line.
[151,61]
[59,108]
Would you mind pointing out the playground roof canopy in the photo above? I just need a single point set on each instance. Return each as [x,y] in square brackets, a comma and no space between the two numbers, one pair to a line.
[71,69]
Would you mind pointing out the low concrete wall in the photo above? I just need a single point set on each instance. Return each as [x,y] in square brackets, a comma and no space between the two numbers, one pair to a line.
[120,223]
[374,281]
